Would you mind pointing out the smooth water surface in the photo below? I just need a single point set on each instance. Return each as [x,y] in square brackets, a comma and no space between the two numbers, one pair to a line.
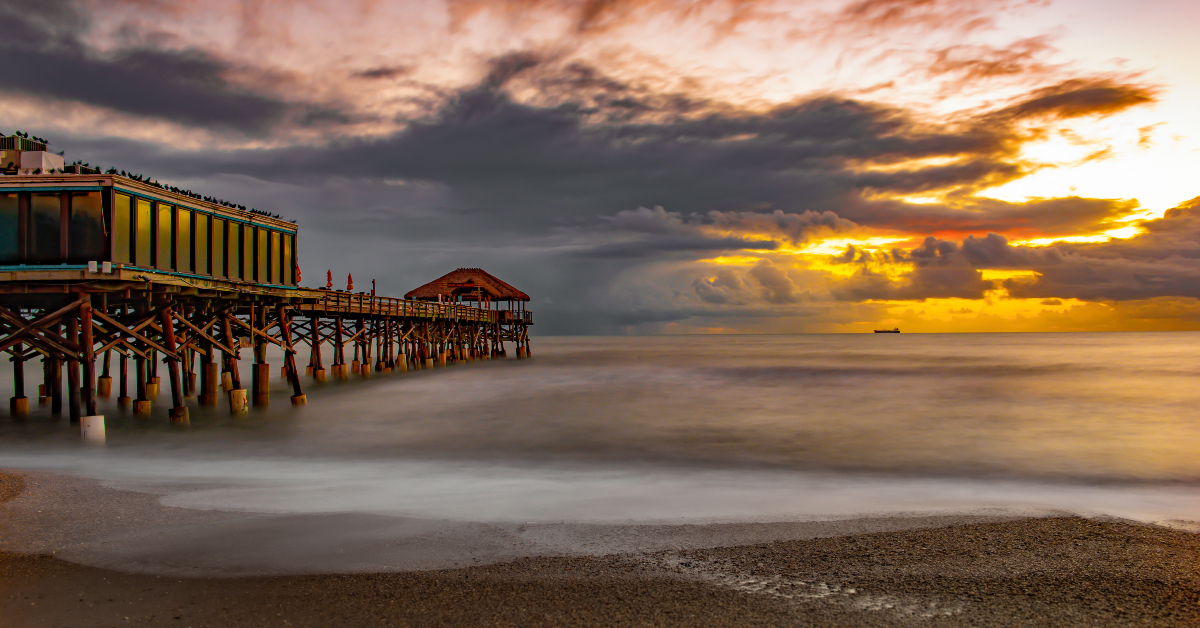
[699,427]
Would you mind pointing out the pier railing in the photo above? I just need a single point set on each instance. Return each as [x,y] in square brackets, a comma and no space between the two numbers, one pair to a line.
[339,302]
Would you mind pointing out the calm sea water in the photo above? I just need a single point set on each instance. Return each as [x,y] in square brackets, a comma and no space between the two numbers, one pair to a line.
[694,427]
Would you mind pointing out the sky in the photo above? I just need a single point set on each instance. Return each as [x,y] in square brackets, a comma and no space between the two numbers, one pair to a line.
[663,166]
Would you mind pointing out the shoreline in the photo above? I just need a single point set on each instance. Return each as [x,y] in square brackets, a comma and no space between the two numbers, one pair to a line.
[1031,571]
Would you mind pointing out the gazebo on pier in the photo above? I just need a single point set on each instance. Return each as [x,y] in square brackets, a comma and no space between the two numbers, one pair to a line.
[469,285]
[477,287]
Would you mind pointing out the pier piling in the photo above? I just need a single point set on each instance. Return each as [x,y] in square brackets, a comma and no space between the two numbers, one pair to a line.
[104,382]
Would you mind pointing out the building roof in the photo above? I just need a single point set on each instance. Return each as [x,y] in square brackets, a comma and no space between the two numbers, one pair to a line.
[467,281]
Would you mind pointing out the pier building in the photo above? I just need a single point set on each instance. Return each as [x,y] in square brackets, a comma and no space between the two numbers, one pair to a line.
[128,272]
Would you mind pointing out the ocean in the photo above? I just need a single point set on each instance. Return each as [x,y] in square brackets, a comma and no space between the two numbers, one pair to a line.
[688,429]
[1083,410]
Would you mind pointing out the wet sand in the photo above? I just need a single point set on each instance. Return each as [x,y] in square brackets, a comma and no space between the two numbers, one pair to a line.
[1061,571]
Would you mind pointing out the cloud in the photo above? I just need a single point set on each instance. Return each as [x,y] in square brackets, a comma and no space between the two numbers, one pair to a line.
[726,287]
[1163,262]
[941,275]
[384,72]
[1079,97]
[595,16]
[777,288]
[664,246]
[1036,218]
[796,228]
[783,170]
[585,168]
[973,62]
[48,57]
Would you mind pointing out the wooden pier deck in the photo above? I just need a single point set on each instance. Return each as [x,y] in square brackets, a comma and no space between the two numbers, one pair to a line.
[94,267]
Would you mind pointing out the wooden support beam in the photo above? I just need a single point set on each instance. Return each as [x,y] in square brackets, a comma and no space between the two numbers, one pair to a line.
[209,370]
[201,334]
[132,332]
[354,341]
[89,357]
[55,383]
[123,398]
[178,412]
[315,341]
[234,353]
[41,331]
[339,353]
[73,396]
[298,397]
[259,334]
[18,405]
[141,405]
[104,383]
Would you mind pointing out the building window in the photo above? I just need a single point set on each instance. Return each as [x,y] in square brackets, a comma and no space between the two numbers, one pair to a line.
[164,248]
[285,256]
[276,266]
[261,270]
[247,252]
[145,235]
[202,243]
[122,225]
[10,224]
[183,240]
[219,249]
[87,237]
[45,228]
[234,248]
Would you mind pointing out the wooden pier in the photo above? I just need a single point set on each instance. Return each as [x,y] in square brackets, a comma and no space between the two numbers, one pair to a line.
[130,274]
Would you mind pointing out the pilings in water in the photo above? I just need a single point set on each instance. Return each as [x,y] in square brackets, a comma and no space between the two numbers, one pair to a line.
[158,319]
[18,405]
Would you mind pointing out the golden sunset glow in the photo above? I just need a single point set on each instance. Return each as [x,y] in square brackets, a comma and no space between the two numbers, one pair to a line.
[1119,234]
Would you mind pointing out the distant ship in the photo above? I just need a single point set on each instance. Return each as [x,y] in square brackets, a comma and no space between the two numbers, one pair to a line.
[888,331]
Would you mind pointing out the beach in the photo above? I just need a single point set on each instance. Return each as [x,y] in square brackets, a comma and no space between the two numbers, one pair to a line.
[1052,571]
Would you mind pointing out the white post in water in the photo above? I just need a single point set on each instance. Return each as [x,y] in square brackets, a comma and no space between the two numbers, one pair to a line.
[91,428]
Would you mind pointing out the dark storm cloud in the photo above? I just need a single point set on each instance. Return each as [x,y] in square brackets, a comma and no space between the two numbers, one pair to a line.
[1175,235]
[45,56]
[1035,218]
[385,72]
[939,272]
[549,166]
[1079,97]
[725,288]
[593,16]
[533,167]
[664,246]
[1163,262]
[794,228]
[777,288]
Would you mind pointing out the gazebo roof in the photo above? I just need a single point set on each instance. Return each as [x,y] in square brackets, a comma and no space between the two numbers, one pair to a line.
[467,281]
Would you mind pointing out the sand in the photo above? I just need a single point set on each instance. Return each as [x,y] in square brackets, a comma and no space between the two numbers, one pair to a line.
[1057,571]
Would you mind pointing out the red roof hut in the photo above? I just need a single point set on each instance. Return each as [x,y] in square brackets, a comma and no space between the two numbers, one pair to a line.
[467,284]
